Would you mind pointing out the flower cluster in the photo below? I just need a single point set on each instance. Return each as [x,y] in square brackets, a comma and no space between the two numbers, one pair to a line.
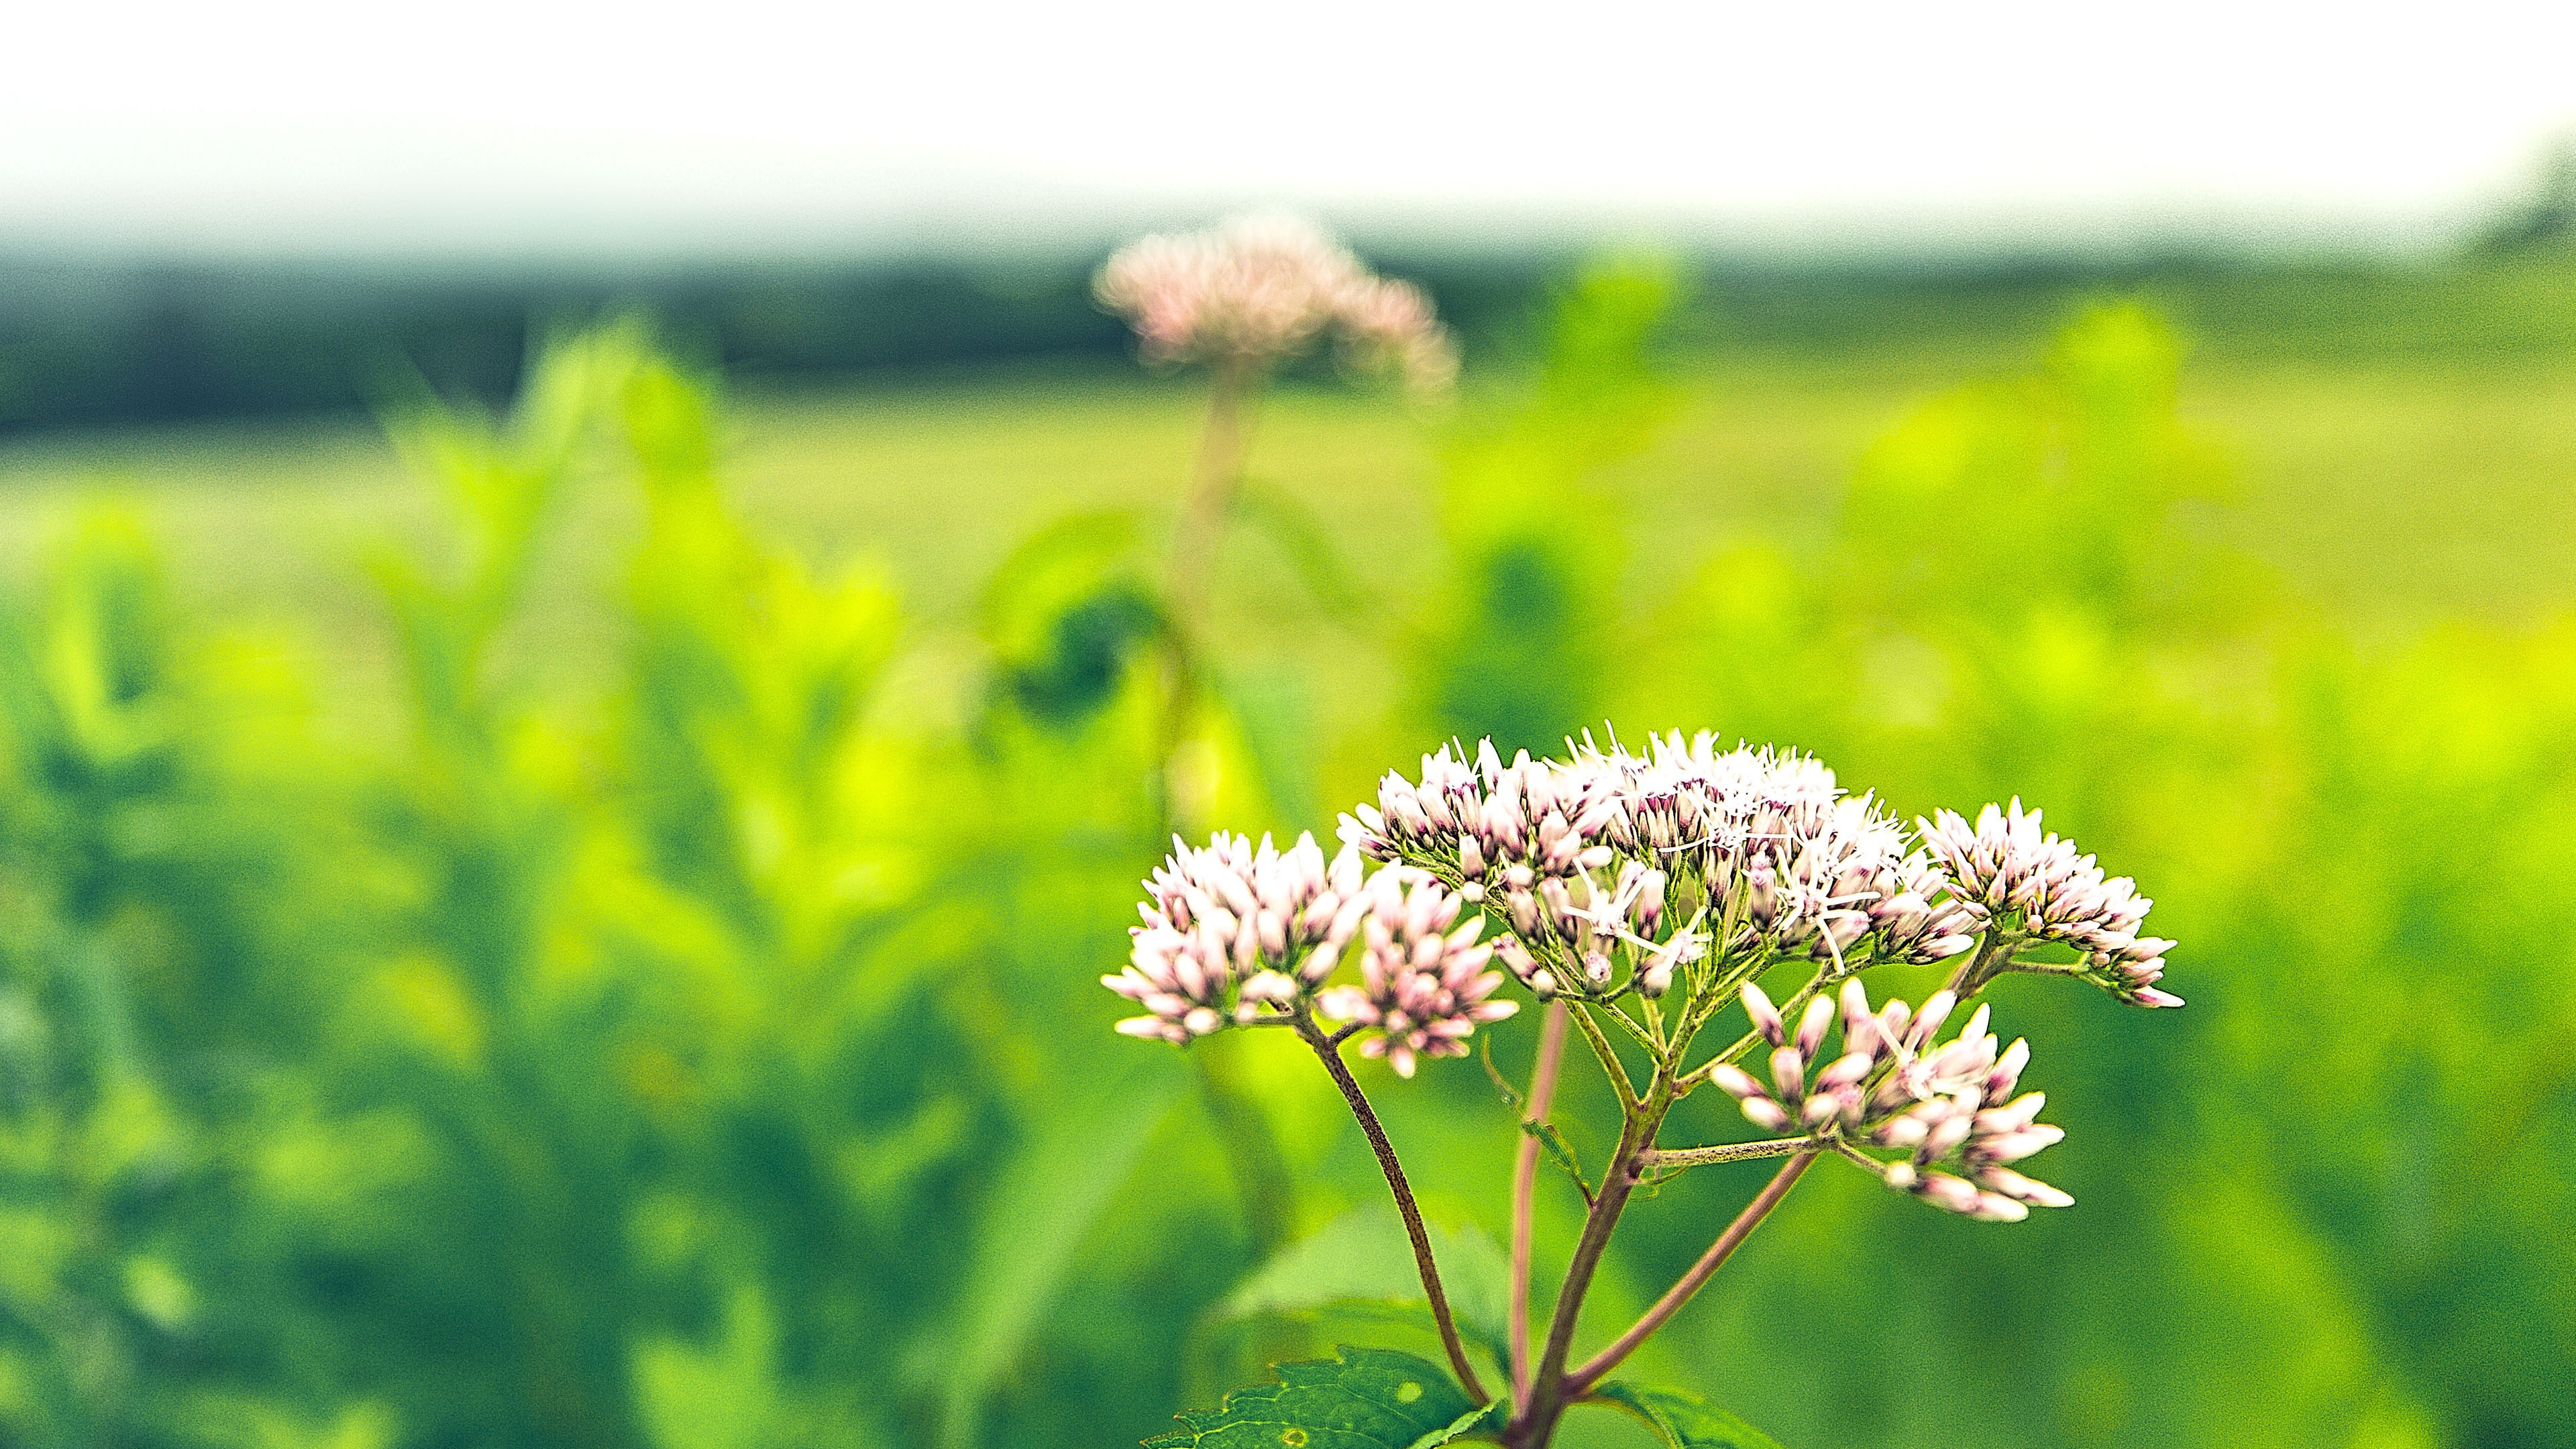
[1610,872]
[1821,873]
[1230,927]
[1950,1105]
[1255,290]
[1741,851]
[1235,934]
[1424,985]
[2007,866]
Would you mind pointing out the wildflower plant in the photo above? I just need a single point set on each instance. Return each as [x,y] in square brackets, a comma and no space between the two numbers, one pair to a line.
[1638,897]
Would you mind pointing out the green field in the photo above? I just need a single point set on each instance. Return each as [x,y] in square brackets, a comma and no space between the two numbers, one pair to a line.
[2390,492]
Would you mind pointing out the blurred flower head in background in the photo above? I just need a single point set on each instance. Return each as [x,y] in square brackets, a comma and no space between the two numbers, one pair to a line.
[1256,290]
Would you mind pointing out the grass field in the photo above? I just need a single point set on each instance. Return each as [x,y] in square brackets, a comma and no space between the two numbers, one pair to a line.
[2391,492]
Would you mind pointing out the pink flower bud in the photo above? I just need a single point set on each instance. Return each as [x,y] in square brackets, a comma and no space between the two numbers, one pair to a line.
[1766,1017]
[1994,1207]
[1789,1074]
[1766,1114]
[1811,1027]
[1736,1082]
[2022,1189]
[1949,1193]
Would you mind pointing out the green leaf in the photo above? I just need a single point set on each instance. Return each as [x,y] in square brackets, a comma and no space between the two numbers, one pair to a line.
[1307,544]
[1364,1257]
[1058,1185]
[1681,1420]
[1560,1152]
[1366,1398]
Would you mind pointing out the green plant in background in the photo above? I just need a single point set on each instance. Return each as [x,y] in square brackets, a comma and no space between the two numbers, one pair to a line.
[1640,896]
[1071,606]
[163,907]
[1112,719]
[1515,644]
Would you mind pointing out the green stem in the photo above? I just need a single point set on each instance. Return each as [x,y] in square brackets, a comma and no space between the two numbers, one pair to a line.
[1611,1066]
[1728,1152]
[1549,1392]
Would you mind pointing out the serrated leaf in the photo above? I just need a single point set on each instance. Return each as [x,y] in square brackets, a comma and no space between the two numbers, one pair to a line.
[1684,1421]
[1364,1258]
[1363,1398]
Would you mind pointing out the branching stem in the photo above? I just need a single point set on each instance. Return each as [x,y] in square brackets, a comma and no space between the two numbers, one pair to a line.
[1611,1066]
[1582,1379]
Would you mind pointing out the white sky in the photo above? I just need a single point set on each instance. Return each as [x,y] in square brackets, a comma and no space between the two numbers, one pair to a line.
[478,122]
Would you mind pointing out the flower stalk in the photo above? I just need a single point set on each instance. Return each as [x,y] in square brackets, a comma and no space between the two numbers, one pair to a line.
[1330,1055]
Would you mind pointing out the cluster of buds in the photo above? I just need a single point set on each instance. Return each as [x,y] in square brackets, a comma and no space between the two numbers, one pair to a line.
[1423,982]
[2034,885]
[1530,839]
[1820,873]
[1256,290]
[1942,1106]
[1655,857]
[1230,928]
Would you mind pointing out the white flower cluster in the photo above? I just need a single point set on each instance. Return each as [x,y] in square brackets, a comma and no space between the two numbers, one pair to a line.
[1424,985]
[1235,934]
[1229,927]
[1254,290]
[1950,1105]
[2034,884]
[1664,857]
[1610,872]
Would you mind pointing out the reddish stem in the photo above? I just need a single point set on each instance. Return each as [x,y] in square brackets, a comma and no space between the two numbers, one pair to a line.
[1582,1379]
[1551,1051]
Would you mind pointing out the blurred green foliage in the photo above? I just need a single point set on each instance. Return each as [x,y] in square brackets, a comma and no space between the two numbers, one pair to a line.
[688,1049]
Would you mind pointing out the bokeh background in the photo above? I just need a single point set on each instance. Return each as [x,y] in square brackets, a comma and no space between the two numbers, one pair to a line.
[580,685]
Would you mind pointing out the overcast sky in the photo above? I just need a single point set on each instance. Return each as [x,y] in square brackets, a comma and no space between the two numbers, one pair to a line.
[478,123]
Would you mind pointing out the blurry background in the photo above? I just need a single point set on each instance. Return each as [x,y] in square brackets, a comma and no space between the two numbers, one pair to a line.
[580,692]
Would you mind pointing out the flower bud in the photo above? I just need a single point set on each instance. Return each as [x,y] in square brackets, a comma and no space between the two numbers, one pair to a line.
[1766,1114]
[1846,1071]
[2022,1189]
[1994,1207]
[1766,1017]
[1949,1193]
[1736,1082]
[1811,1027]
[1789,1073]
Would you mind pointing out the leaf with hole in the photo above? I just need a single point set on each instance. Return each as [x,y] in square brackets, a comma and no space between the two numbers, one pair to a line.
[1365,1398]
